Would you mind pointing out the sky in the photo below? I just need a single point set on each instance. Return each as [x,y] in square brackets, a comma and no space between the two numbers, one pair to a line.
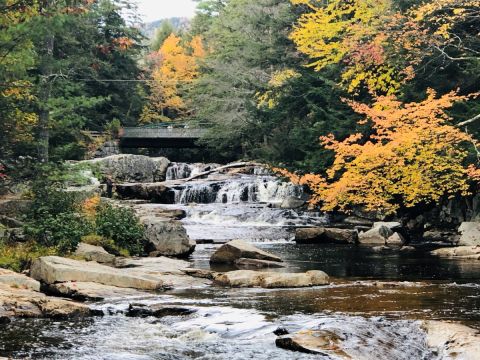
[151,10]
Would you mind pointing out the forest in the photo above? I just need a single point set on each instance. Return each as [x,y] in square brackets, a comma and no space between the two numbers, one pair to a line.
[375,102]
[300,181]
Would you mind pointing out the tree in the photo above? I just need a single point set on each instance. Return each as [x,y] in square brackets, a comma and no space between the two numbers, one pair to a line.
[161,34]
[412,156]
[175,66]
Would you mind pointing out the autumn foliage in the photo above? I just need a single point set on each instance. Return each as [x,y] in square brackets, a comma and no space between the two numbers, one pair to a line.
[413,156]
[175,67]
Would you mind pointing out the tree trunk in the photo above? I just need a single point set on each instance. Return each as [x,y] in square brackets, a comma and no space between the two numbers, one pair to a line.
[44,96]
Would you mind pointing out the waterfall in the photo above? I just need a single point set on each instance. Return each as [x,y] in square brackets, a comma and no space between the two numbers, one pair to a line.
[178,171]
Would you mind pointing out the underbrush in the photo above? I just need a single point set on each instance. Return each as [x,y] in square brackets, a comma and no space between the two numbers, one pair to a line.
[19,256]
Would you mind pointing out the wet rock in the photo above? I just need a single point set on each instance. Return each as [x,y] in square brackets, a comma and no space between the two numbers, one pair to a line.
[407,249]
[452,341]
[354,220]
[249,278]
[153,192]
[142,310]
[320,235]
[201,273]
[91,291]
[26,303]
[470,234]
[313,342]
[440,236]
[14,279]
[465,252]
[380,248]
[281,331]
[376,235]
[54,269]
[395,240]
[167,237]
[292,203]
[236,249]
[131,168]
[94,253]
[255,263]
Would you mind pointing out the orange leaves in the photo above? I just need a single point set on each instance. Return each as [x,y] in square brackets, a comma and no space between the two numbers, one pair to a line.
[90,206]
[413,155]
[123,43]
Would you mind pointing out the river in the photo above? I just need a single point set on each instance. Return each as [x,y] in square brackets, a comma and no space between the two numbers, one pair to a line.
[374,303]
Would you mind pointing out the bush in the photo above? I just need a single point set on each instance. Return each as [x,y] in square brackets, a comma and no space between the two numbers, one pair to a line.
[19,257]
[107,244]
[122,226]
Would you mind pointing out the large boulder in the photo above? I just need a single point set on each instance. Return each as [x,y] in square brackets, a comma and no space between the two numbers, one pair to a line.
[452,341]
[314,235]
[249,278]
[470,234]
[92,291]
[167,237]
[396,240]
[465,252]
[18,302]
[236,249]
[292,202]
[378,235]
[132,168]
[94,253]
[54,269]
[154,192]
[255,263]
[320,342]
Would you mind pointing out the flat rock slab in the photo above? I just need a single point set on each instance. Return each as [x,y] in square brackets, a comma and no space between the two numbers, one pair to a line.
[161,265]
[26,303]
[460,252]
[452,341]
[236,249]
[255,263]
[159,310]
[93,291]
[54,269]
[14,279]
[271,280]
[94,253]
[321,235]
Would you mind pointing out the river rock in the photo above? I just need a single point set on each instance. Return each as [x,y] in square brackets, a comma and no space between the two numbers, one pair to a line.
[313,342]
[94,253]
[26,303]
[131,168]
[392,225]
[92,291]
[292,202]
[54,269]
[167,237]
[157,310]
[470,234]
[465,252]
[236,249]
[249,278]
[395,240]
[320,235]
[255,263]
[153,192]
[452,341]
[14,279]
[377,235]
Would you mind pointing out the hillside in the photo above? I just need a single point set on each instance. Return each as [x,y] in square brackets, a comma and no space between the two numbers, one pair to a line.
[179,23]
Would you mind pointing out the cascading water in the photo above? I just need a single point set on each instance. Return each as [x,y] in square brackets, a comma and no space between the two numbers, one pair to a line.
[178,171]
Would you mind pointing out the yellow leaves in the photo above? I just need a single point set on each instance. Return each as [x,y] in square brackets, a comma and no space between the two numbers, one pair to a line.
[90,206]
[270,98]
[414,155]
[177,67]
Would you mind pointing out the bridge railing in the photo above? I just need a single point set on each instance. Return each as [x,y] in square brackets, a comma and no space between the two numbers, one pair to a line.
[162,132]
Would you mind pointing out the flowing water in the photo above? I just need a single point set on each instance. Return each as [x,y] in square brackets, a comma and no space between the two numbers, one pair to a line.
[374,303]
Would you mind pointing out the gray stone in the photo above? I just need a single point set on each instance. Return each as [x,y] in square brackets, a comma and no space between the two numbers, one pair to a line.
[132,168]
[314,235]
[321,342]
[236,249]
[255,263]
[465,252]
[167,237]
[249,278]
[470,234]
[26,303]
[14,279]
[94,253]
[154,192]
[392,225]
[14,207]
[292,203]
[157,310]
[54,269]
[93,291]
[376,235]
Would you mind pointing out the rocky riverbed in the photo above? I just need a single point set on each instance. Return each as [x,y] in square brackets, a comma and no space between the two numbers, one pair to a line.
[294,284]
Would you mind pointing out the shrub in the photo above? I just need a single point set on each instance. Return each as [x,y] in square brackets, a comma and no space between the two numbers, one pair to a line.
[122,226]
[19,257]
